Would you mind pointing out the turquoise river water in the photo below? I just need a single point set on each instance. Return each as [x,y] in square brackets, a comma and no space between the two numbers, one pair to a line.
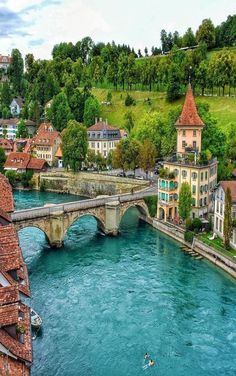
[106,301]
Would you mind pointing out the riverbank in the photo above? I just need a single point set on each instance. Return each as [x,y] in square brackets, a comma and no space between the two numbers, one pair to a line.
[177,233]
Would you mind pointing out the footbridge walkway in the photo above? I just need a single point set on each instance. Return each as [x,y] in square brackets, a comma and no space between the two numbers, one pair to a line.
[54,220]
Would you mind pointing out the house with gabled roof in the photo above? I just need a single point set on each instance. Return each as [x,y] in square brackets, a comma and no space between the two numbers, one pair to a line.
[46,142]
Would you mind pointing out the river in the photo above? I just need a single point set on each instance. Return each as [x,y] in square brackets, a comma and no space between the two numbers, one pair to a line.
[106,301]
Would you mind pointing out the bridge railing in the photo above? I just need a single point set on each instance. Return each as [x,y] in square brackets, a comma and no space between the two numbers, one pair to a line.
[77,205]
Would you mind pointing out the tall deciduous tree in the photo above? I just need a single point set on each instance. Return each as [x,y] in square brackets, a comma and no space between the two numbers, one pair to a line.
[22,131]
[147,156]
[174,83]
[206,33]
[60,112]
[74,145]
[16,71]
[185,201]
[91,111]
[227,218]
[5,94]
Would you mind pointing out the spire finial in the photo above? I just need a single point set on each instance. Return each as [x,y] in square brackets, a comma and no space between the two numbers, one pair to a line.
[189,77]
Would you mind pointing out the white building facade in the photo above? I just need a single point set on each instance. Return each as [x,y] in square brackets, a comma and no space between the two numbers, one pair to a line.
[219,210]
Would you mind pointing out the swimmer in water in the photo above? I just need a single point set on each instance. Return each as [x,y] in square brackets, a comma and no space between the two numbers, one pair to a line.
[146,356]
[149,364]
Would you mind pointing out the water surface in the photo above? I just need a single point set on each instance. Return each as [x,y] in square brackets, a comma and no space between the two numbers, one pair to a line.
[106,301]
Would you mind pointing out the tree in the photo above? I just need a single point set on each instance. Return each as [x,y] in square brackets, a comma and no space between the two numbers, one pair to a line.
[206,33]
[2,159]
[51,87]
[16,70]
[12,177]
[91,111]
[227,218]
[185,201]
[74,145]
[133,154]
[174,83]
[22,131]
[119,157]
[60,112]
[188,39]
[109,97]
[129,121]
[147,156]
[5,95]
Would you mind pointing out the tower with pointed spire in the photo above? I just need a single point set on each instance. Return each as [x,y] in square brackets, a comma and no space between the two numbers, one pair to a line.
[189,126]
[186,167]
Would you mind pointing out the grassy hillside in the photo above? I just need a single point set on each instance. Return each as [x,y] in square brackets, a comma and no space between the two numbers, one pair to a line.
[223,108]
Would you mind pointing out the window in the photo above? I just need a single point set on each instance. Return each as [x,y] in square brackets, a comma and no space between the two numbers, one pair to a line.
[194,144]
[217,223]
[98,145]
[221,208]
[194,176]
[220,225]
[205,174]
[104,145]
[176,172]
[92,145]
[194,189]
[183,144]
[193,202]
[217,206]
[200,202]
[184,133]
[205,201]
[194,133]
[201,176]
[184,174]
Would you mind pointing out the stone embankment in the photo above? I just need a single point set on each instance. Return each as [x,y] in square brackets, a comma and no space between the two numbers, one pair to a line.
[222,261]
[87,184]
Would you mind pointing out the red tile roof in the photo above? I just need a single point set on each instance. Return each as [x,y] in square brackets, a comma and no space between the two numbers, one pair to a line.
[23,161]
[59,153]
[36,164]
[229,184]
[6,197]
[7,145]
[12,367]
[5,59]
[17,160]
[12,343]
[101,126]
[46,135]
[9,294]
[189,115]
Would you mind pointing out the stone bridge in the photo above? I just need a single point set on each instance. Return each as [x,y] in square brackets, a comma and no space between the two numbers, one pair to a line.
[55,220]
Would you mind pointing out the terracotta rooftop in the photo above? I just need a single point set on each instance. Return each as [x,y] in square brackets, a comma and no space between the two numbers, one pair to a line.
[101,126]
[11,314]
[9,294]
[189,115]
[6,197]
[12,367]
[36,164]
[19,160]
[232,185]
[46,135]
[59,153]
[7,145]
[5,59]
[24,143]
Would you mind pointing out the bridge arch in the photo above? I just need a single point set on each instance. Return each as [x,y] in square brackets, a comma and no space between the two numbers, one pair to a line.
[39,226]
[77,216]
[141,206]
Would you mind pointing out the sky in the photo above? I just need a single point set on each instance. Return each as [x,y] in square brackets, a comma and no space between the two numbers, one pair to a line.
[35,26]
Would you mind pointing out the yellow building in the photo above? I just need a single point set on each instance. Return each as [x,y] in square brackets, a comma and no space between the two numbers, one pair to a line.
[45,144]
[186,167]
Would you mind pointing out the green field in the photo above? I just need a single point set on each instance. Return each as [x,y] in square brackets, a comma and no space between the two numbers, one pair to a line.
[223,108]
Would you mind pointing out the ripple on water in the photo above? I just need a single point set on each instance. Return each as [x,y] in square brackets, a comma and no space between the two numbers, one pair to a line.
[106,301]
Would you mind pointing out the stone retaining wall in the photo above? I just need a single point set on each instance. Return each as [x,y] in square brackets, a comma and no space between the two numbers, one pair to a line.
[206,251]
[88,184]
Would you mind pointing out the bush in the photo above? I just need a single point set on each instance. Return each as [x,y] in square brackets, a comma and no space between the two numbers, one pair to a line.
[129,101]
[189,224]
[151,202]
[26,178]
[197,225]
[12,177]
[188,236]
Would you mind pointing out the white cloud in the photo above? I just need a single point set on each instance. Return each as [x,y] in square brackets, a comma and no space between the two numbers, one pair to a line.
[69,21]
